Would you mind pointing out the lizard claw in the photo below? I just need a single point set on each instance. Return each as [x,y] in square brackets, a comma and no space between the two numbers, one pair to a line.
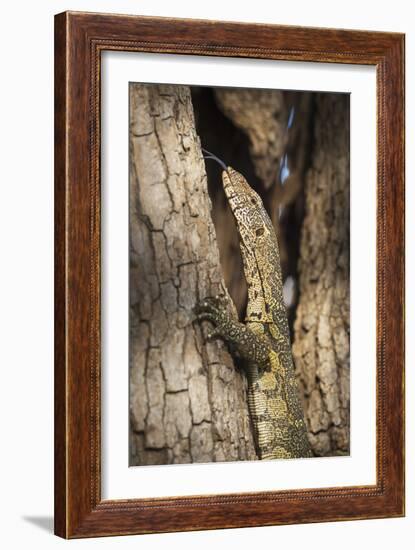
[206,316]
[212,335]
[209,304]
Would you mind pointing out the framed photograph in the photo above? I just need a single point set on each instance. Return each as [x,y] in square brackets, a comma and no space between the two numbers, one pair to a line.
[229,275]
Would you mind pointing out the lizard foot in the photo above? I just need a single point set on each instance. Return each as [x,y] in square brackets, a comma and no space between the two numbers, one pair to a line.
[243,343]
[214,310]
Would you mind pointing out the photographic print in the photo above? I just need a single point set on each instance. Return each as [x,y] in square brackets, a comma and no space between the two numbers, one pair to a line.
[202,311]
[239,274]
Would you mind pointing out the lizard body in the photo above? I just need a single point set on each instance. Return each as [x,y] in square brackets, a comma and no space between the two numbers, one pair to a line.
[262,342]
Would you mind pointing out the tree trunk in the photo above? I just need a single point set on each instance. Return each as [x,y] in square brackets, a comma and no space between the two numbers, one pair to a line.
[321,346]
[187,401]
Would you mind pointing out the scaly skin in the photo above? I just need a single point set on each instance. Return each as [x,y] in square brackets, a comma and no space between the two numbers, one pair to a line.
[262,342]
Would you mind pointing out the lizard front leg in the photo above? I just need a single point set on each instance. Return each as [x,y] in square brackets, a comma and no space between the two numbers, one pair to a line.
[243,343]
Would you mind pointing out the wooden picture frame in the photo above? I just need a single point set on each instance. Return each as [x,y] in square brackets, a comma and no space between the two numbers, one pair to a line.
[79,40]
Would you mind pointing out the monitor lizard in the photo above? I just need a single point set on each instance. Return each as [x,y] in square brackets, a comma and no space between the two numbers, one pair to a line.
[261,344]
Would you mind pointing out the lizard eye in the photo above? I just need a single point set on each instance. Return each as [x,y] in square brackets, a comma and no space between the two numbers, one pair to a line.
[259,232]
[253,201]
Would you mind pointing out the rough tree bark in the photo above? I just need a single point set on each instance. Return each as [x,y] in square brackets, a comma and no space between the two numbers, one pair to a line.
[187,400]
[321,346]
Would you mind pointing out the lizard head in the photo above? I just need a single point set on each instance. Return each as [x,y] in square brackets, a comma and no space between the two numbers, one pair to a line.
[254,226]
